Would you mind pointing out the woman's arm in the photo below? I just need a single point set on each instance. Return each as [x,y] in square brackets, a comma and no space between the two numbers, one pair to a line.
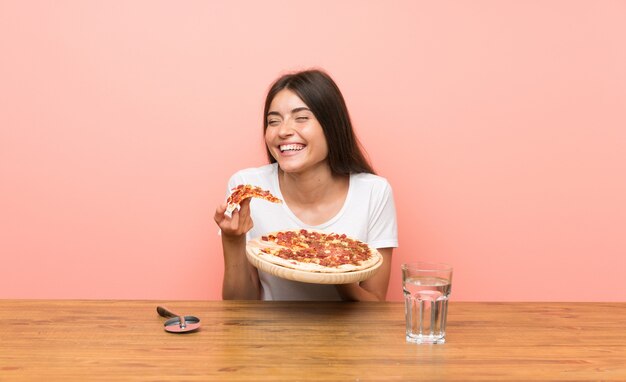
[241,279]
[372,289]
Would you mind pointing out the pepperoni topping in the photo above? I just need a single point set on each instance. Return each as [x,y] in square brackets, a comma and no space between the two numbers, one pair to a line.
[329,250]
[245,191]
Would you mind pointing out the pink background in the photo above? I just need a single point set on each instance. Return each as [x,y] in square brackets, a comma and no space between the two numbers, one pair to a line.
[501,126]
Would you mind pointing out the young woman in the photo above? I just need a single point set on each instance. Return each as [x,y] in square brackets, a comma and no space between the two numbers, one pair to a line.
[318,169]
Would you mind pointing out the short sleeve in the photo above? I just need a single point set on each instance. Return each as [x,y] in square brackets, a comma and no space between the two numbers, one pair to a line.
[383,226]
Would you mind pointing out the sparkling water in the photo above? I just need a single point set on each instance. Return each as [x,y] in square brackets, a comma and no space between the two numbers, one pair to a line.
[426,305]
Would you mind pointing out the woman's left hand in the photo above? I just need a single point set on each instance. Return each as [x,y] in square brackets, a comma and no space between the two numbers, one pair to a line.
[372,289]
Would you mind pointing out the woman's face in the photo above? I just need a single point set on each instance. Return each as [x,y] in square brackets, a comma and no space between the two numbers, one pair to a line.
[293,135]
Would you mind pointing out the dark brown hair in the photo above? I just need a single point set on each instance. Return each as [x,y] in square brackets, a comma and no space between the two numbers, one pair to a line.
[322,96]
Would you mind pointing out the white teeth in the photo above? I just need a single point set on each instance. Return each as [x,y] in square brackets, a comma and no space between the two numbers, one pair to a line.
[293,147]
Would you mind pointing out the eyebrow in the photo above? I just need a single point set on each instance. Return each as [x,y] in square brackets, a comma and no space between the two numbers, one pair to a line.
[293,111]
[300,109]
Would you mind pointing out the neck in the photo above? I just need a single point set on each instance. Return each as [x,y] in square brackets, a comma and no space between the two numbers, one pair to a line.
[310,187]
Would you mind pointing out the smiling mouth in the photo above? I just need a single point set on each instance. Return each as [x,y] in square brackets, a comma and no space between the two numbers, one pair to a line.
[292,147]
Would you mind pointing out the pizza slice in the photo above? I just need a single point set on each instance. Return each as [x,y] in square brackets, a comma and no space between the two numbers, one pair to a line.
[245,191]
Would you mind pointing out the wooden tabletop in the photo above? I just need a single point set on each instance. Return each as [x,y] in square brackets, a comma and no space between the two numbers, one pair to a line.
[271,341]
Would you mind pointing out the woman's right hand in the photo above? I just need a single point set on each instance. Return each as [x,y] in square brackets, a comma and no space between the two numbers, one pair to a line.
[241,281]
[238,225]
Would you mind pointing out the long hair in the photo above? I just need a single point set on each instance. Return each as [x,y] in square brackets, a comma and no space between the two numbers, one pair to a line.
[320,93]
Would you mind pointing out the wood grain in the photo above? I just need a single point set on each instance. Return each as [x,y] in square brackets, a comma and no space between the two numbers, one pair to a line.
[269,341]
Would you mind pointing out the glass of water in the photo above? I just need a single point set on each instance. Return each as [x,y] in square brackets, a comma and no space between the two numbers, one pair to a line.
[426,288]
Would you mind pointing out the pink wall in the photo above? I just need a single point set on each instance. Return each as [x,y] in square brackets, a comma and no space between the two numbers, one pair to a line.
[501,126]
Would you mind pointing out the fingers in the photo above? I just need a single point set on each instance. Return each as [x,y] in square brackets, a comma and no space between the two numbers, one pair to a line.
[219,214]
[245,207]
[221,208]
[238,224]
[242,220]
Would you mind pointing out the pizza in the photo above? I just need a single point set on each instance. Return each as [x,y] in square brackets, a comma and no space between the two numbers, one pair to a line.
[245,191]
[315,251]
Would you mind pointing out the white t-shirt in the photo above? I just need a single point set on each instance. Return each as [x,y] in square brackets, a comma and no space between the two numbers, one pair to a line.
[368,214]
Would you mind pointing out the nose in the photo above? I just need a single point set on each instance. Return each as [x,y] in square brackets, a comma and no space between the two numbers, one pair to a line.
[286,128]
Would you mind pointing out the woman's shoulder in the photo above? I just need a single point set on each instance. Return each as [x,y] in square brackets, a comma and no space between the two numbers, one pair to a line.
[369,180]
[370,187]
[254,175]
[255,171]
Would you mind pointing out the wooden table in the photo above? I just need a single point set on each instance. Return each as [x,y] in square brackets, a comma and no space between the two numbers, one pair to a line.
[270,341]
